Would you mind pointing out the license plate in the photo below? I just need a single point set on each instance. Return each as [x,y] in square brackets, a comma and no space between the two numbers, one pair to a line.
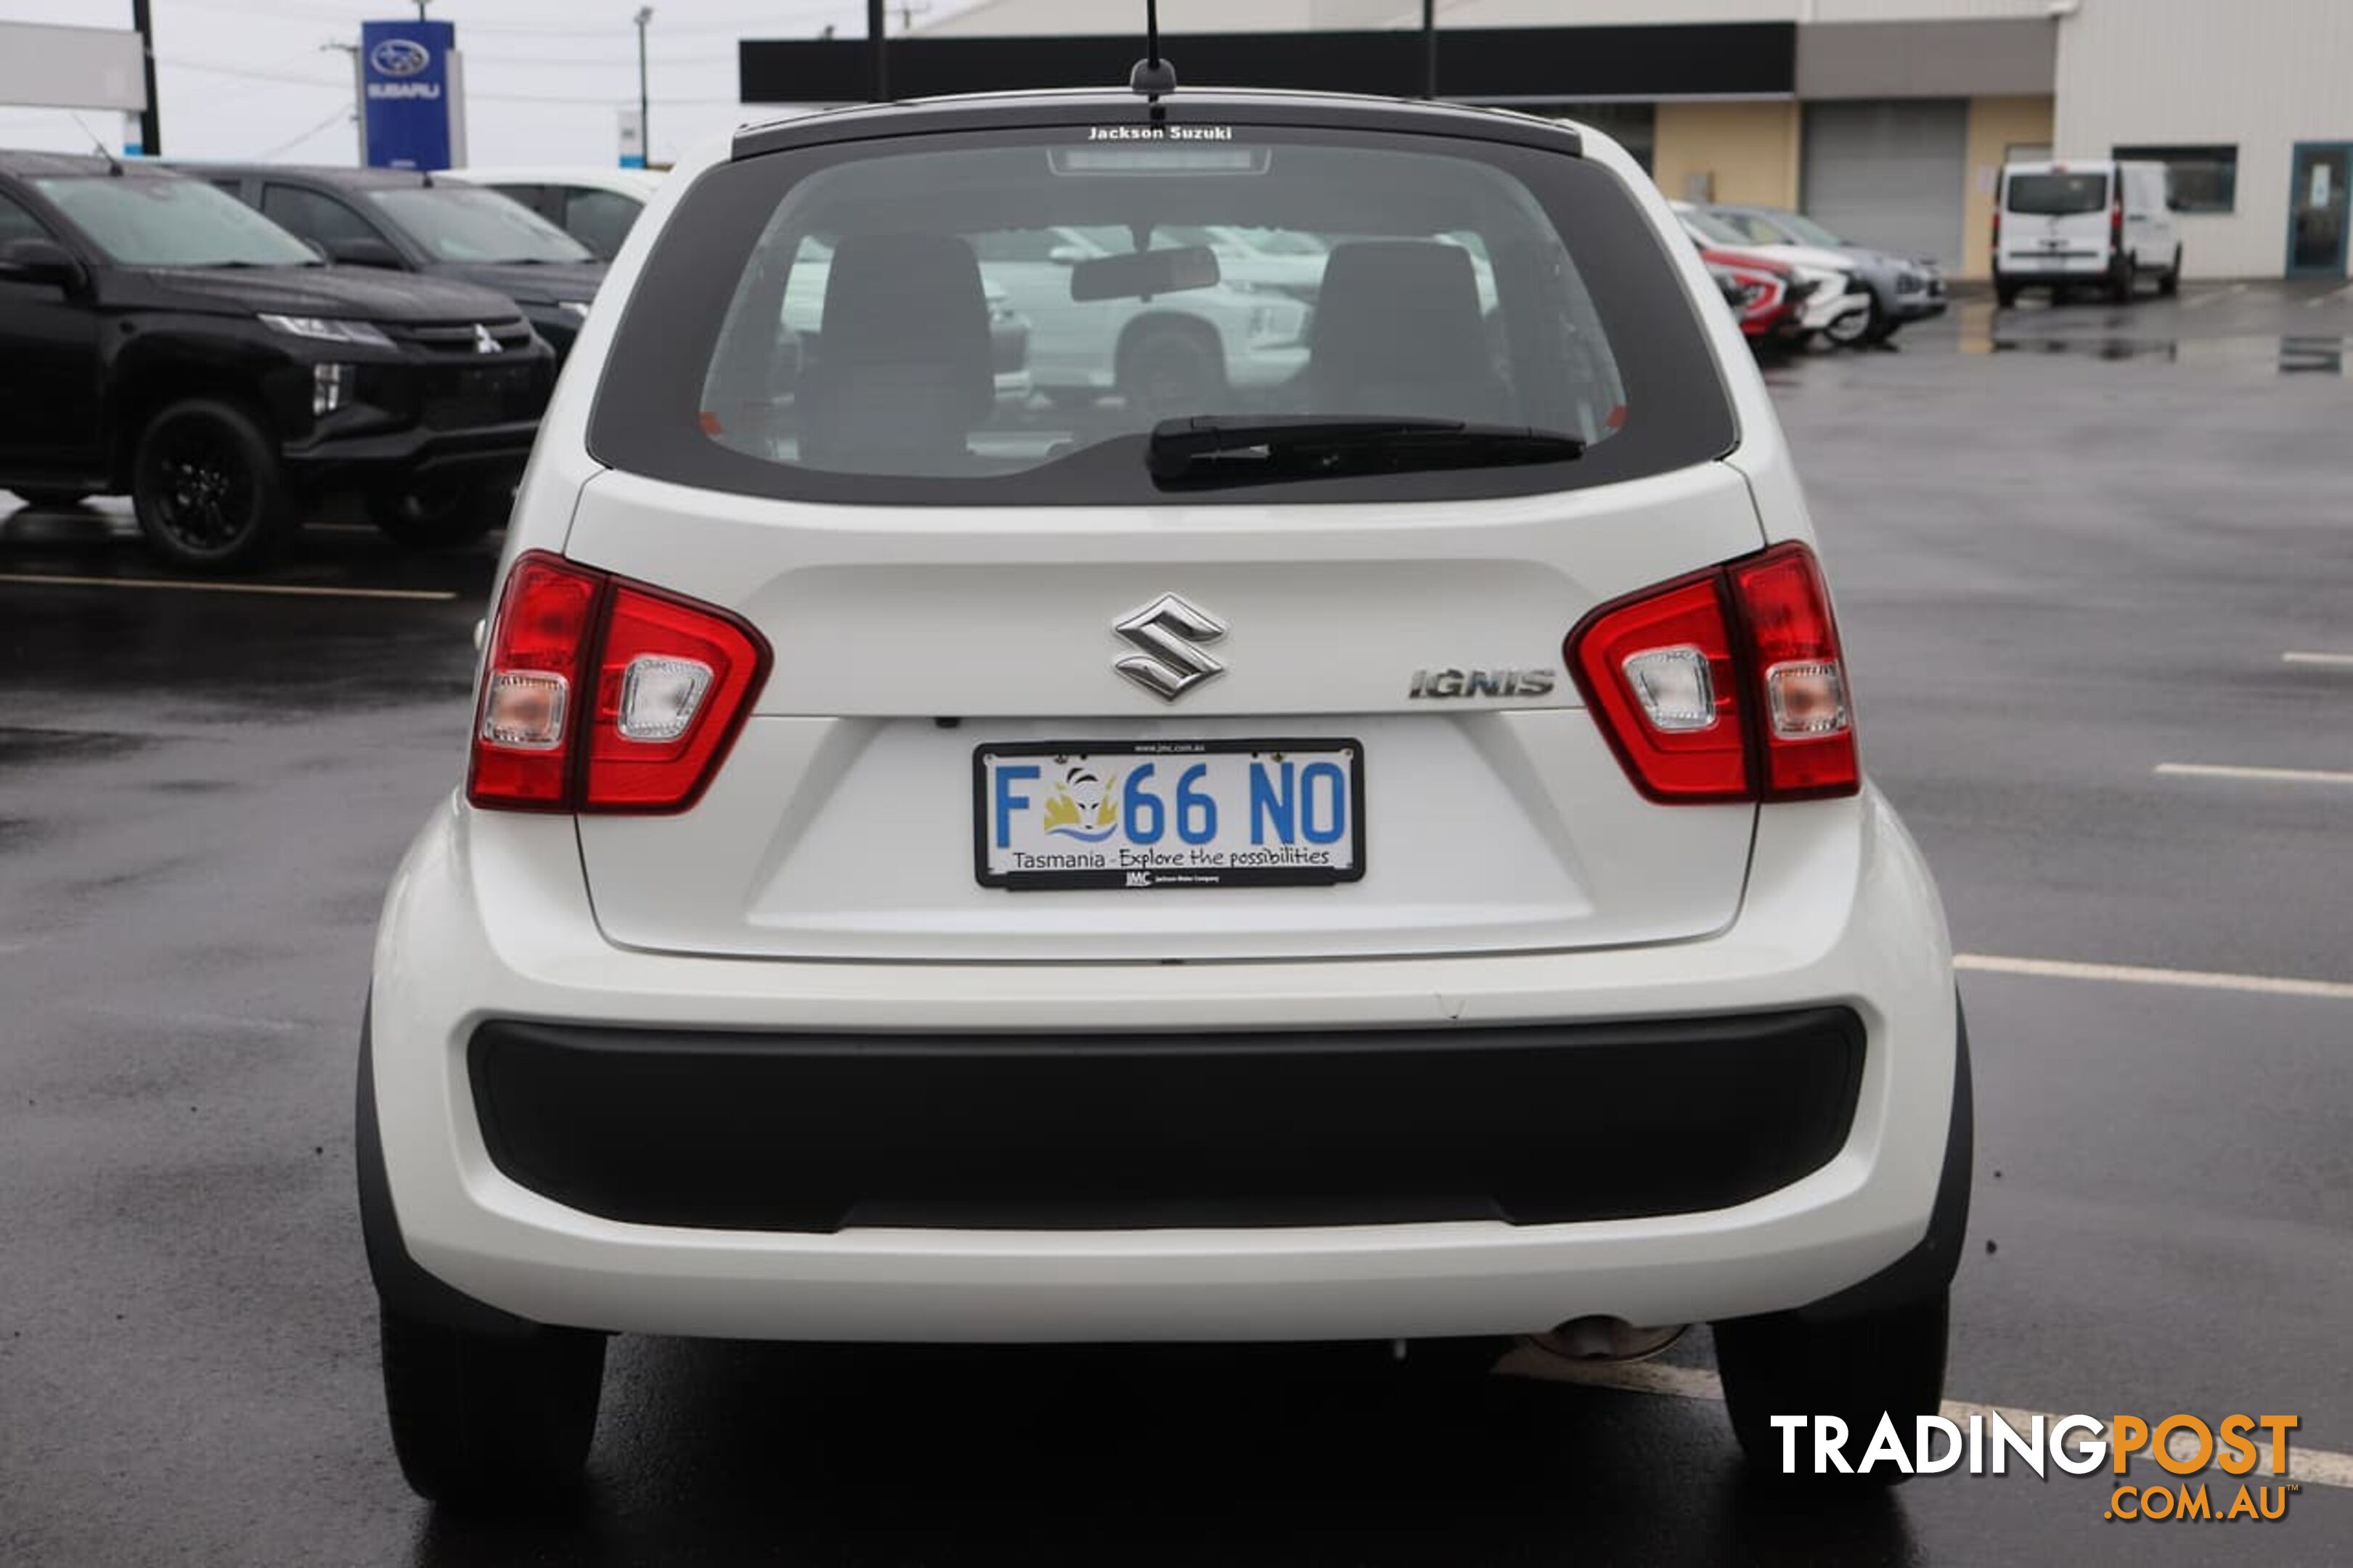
[1169,814]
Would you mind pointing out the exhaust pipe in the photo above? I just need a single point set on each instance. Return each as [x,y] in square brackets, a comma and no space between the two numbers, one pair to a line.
[1593,1340]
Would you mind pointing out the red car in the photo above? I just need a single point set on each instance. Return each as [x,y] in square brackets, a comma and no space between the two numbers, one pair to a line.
[1768,297]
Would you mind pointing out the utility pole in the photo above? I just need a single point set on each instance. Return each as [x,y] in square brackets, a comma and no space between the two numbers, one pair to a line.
[1430,48]
[645,124]
[420,9]
[876,44]
[151,119]
[359,93]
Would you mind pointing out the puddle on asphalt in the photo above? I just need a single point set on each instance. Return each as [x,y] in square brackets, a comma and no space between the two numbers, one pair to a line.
[2283,354]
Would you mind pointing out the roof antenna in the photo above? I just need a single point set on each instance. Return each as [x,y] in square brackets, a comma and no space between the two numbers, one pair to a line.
[113,163]
[1152,76]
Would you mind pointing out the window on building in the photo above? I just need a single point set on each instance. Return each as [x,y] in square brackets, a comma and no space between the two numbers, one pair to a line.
[2199,179]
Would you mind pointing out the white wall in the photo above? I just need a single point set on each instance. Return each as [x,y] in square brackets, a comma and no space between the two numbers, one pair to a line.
[2262,74]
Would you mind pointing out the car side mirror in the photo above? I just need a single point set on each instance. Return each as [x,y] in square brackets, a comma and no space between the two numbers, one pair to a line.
[1067,255]
[33,259]
[368,252]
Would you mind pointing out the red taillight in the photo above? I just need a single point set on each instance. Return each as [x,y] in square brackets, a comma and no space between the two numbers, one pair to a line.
[1997,228]
[1727,685]
[603,695]
[1805,719]
[2117,214]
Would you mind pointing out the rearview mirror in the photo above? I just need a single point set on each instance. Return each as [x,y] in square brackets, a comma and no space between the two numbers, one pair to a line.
[33,259]
[362,252]
[1143,274]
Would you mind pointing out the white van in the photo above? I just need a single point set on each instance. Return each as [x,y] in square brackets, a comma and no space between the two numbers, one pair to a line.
[2097,221]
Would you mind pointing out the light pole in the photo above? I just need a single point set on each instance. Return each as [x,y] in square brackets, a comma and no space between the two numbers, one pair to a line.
[151,119]
[874,41]
[645,125]
[1430,48]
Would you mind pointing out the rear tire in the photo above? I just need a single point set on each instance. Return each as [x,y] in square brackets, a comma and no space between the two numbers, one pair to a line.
[440,514]
[2120,283]
[1889,1362]
[2005,293]
[480,1419]
[2170,284]
[1167,373]
[207,487]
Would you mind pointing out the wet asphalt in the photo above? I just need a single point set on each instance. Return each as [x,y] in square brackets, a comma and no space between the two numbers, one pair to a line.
[2068,544]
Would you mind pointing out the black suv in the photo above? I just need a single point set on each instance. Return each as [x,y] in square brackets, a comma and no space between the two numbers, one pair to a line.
[408,220]
[160,338]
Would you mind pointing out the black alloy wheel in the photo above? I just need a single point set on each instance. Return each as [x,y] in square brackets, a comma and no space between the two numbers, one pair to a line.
[207,488]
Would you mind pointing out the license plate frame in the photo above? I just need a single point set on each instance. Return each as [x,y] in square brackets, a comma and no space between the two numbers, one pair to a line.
[1115,876]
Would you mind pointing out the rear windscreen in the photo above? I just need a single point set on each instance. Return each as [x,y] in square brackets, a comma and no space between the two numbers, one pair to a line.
[2057,194]
[1005,316]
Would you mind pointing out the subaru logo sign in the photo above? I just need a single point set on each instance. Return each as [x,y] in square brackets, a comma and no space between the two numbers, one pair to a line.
[399,57]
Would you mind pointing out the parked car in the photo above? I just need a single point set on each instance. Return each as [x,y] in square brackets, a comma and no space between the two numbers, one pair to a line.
[412,222]
[1387,863]
[159,340]
[1283,261]
[596,206]
[1767,298]
[1839,305]
[1903,289]
[2094,221]
[1183,350]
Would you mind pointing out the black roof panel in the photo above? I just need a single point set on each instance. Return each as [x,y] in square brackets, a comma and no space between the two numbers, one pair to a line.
[1196,106]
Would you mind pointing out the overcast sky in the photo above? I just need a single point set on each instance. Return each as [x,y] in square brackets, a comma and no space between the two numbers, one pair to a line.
[253,78]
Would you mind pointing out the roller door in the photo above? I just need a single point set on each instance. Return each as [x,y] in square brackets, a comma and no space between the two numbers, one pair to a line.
[1891,174]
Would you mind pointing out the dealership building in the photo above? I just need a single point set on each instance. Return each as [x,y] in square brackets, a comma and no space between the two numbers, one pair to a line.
[1886,120]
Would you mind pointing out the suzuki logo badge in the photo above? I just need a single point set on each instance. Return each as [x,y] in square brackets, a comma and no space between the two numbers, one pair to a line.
[1167,633]
[484,343]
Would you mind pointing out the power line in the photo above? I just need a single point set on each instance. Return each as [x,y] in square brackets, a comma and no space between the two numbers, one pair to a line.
[340,117]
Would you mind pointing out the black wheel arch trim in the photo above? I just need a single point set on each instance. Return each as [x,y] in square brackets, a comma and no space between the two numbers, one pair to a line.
[1933,1261]
[404,1285]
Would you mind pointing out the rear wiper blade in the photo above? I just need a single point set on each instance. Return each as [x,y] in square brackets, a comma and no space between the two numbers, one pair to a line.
[1214,449]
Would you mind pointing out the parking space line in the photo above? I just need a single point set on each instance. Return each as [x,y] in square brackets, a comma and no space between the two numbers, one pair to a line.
[2200,301]
[289,590]
[2345,659]
[2307,1467]
[2140,975]
[2260,775]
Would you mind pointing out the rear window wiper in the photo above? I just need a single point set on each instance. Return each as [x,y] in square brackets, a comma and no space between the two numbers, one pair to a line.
[1209,449]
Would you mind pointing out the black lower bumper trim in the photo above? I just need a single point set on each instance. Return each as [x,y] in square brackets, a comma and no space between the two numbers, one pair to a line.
[1531,1125]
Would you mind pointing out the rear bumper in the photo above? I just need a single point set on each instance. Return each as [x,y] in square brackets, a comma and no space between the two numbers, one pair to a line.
[2036,268]
[488,923]
[815,1132]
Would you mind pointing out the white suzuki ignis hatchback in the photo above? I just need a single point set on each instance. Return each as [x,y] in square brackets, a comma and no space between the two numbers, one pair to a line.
[1342,822]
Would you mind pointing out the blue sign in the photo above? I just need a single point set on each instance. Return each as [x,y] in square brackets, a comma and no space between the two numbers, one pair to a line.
[412,93]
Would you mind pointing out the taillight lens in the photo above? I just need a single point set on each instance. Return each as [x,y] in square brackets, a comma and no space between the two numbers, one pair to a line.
[1727,685]
[603,695]
[1805,720]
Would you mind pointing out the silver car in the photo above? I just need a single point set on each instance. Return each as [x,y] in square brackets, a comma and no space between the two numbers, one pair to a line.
[1903,289]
